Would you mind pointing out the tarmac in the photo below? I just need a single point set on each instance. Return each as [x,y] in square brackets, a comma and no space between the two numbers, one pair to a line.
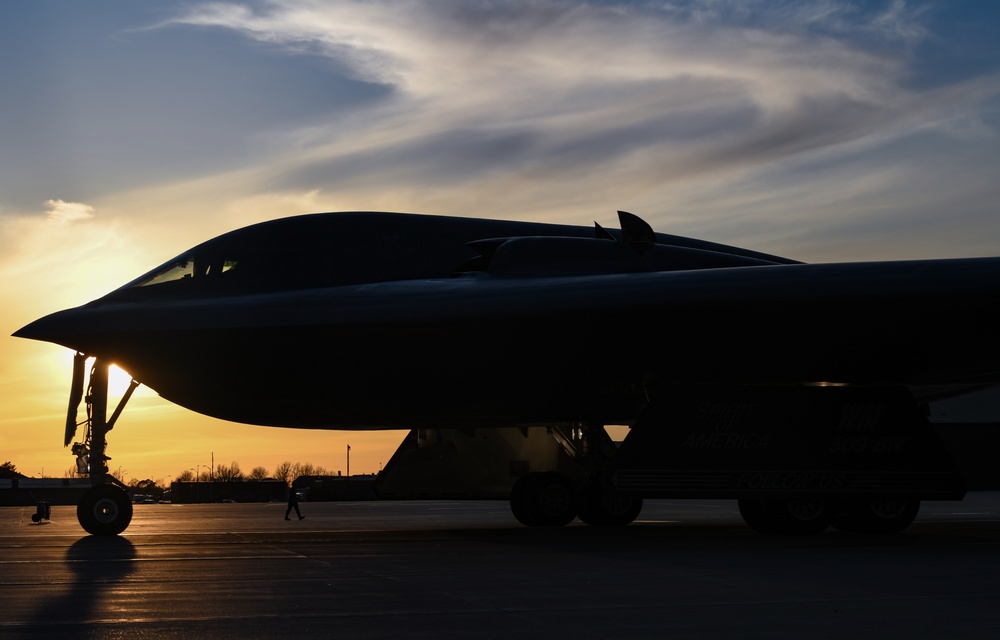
[466,569]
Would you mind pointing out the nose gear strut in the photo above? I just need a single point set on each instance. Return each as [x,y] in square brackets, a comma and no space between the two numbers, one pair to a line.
[105,509]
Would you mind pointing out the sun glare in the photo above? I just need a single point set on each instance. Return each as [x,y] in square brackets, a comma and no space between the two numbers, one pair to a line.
[119,380]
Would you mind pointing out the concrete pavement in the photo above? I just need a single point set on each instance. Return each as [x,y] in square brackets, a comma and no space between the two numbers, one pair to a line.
[686,569]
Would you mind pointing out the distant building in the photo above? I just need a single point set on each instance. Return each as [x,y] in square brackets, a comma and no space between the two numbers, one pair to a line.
[24,491]
[336,488]
[238,491]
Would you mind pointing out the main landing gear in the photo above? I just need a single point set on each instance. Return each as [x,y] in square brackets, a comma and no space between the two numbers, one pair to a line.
[105,509]
[553,499]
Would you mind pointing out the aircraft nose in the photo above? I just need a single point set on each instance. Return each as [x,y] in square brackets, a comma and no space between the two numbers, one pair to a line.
[61,327]
[37,330]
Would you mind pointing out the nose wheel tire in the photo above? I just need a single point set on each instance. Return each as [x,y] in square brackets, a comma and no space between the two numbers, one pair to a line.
[104,510]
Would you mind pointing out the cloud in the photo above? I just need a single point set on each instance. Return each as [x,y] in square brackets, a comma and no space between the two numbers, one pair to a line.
[575,76]
[62,212]
[556,109]
[601,81]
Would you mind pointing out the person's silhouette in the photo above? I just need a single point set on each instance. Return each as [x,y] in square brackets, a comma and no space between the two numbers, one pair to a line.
[293,503]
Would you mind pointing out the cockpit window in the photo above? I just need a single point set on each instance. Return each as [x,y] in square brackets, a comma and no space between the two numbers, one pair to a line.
[227,265]
[188,267]
[183,268]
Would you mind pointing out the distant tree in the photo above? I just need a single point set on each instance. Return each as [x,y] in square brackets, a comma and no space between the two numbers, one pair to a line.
[185,476]
[283,472]
[300,469]
[232,473]
[9,470]
[147,486]
[289,472]
[257,473]
[72,472]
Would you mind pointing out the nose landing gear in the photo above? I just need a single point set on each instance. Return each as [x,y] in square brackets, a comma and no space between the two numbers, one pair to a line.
[105,509]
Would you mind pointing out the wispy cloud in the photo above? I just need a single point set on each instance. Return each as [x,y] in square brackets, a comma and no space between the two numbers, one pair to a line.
[550,106]
[554,75]
[62,212]
[693,113]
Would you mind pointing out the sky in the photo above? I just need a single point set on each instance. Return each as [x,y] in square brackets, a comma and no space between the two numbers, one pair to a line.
[129,131]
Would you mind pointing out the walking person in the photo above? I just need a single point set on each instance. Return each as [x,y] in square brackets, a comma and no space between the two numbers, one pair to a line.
[293,503]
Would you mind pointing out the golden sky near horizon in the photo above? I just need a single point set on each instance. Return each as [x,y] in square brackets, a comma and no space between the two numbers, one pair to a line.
[820,130]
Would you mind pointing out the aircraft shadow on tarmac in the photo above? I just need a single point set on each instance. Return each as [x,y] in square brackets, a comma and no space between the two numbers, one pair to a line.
[95,564]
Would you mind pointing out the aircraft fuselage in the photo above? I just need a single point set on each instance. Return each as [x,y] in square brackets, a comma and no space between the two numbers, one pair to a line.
[393,335]
[717,356]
